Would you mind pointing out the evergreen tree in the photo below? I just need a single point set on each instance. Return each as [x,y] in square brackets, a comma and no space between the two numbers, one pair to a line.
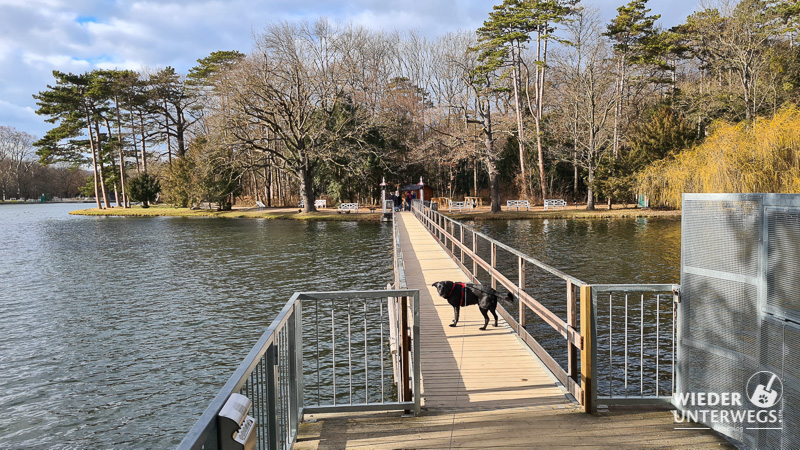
[144,188]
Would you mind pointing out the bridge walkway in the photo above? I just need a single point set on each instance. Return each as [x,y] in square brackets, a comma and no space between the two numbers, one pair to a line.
[484,388]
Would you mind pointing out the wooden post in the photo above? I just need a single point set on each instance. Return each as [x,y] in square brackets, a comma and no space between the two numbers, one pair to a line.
[461,241]
[453,239]
[572,322]
[587,352]
[494,265]
[521,273]
[474,256]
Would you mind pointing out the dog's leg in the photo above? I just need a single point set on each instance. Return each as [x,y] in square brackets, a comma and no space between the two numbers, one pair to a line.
[485,317]
[455,312]
[495,316]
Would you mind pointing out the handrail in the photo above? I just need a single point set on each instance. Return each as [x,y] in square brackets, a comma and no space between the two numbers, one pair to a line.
[581,337]
[272,374]
[578,337]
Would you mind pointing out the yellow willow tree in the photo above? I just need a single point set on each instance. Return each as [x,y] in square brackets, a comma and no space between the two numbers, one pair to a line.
[762,157]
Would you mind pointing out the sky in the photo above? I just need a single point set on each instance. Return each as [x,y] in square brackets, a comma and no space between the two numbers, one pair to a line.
[39,36]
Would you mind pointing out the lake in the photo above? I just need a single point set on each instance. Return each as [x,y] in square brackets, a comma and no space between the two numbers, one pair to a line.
[118,332]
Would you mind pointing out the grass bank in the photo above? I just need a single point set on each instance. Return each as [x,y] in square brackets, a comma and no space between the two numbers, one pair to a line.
[478,214]
[618,212]
[242,213]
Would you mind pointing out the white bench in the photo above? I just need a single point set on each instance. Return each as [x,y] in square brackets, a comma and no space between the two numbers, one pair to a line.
[260,204]
[321,203]
[348,207]
[555,204]
[518,204]
[460,206]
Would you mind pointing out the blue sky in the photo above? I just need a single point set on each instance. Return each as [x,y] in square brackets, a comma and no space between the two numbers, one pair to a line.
[39,36]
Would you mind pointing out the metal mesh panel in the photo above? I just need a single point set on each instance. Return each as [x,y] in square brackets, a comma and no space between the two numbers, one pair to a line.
[720,312]
[783,261]
[710,372]
[721,235]
[791,386]
[772,351]
[740,305]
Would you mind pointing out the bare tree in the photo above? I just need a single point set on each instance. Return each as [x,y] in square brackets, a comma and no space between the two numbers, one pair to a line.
[293,98]
[16,159]
[584,79]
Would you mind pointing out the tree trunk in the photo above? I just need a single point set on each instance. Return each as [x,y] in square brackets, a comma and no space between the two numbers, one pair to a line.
[306,187]
[589,192]
[520,129]
[491,168]
[100,165]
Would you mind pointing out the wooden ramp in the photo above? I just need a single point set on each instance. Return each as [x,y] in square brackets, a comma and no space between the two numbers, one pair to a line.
[463,367]
[484,389]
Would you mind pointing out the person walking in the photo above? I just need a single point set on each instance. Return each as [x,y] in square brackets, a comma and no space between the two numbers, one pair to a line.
[398,201]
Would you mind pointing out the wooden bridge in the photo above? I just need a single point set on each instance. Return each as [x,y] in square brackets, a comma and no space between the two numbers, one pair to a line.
[486,388]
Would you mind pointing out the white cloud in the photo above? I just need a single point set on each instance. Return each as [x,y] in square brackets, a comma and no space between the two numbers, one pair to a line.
[39,36]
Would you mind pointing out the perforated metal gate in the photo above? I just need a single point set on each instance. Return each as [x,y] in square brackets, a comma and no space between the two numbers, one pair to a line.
[739,315]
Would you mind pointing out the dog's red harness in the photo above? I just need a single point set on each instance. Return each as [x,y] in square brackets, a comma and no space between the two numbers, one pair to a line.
[463,285]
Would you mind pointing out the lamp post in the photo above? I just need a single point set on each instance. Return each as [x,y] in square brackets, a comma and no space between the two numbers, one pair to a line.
[422,191]
[383,195]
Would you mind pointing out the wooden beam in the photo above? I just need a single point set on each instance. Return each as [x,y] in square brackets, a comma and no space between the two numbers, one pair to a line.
[587,368]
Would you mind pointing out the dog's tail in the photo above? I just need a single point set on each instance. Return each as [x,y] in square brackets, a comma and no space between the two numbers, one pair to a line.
[507,296]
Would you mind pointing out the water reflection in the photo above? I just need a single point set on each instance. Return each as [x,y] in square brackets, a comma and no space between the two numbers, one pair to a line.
[112,324]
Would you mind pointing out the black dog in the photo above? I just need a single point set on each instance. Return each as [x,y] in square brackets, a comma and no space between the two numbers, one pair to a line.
[465,294]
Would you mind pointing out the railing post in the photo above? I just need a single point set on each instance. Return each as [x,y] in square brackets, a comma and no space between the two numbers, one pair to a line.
[406,393]
[572,322]
[461,241]
[494,264]
[298,359]
[474,256]
[521,273]
[272,396]
[453,239]
[588,357]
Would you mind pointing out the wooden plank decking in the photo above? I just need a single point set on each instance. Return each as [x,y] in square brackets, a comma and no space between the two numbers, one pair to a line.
[484,388]
[464,367]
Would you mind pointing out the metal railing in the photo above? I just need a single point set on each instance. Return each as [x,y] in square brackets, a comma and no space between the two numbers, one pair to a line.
[587,320]
[451,235]
[324,352]
[635,337]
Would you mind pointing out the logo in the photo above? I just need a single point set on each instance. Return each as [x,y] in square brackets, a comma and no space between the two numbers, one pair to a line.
[761,395]
[729,412]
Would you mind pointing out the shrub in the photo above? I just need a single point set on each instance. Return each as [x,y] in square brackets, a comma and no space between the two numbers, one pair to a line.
[144,188]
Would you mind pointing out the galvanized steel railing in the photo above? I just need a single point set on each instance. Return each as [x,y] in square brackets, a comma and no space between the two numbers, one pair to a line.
[325,352]
[599,365]
[635,337]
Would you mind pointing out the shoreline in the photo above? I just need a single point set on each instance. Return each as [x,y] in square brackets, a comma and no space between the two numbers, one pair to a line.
[327,214]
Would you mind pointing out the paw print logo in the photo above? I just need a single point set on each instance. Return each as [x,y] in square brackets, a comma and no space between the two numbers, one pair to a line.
[764,389]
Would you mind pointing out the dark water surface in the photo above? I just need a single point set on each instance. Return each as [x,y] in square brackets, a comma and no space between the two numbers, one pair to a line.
[598,251]
[117,332]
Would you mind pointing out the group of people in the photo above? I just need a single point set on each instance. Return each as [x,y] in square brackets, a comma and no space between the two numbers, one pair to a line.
[402,201]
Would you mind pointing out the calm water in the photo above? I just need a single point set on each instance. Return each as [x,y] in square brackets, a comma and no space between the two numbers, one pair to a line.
[607,251]
[117,332]
[603,251]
